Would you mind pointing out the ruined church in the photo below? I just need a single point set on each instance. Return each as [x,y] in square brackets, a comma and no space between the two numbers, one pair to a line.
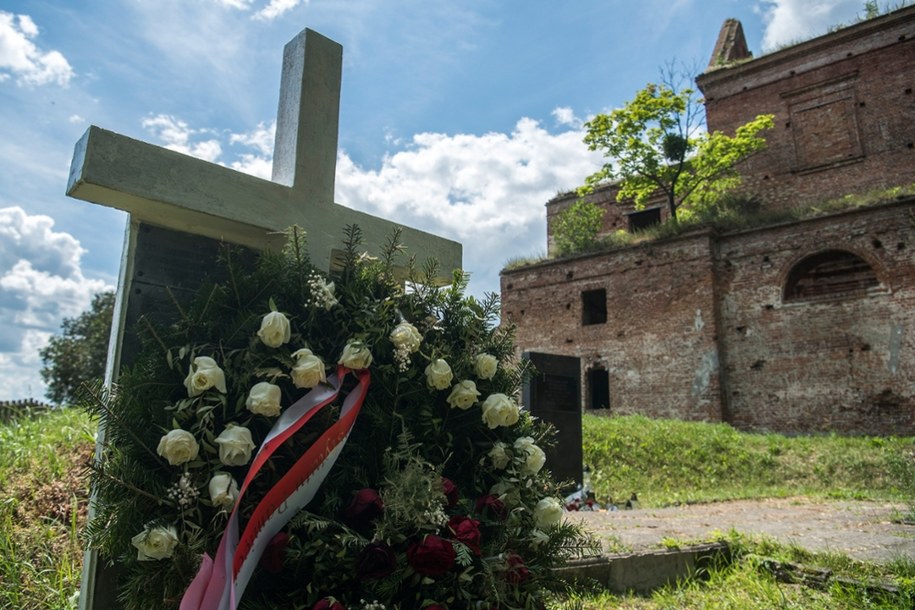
[796,327]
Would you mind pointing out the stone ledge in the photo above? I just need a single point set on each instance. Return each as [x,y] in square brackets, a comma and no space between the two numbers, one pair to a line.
[643,572]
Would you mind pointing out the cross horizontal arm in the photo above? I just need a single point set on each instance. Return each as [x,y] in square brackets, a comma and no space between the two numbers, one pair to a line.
[172,190]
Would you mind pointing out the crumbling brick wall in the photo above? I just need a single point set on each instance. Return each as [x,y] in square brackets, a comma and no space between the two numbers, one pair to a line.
[697,327]
[844,112]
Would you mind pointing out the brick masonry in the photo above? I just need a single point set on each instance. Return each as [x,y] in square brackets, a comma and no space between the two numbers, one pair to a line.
[700,327]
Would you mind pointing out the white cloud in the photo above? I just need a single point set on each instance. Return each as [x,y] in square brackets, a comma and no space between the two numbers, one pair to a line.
[566,116]
[276,8]
[75,119]
[236,4]
[261,138]
[41,282]
[21,57]
[176,134]
[789,21]
[486,191]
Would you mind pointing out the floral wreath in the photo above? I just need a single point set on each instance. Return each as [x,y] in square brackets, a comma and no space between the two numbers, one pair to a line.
[243,469]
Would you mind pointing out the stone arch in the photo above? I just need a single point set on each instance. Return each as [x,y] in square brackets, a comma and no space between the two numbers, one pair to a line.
[828,274]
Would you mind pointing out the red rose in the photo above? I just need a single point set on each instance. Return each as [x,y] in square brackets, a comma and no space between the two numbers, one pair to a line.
[517,572]
[466,530]
[272,559]
[432,557]
[365,507]
[435,607]
[451,491]
[375,561]
[491,506]
[328,603]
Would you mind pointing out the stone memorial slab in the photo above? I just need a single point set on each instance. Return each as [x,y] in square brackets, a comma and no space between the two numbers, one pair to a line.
[182,209]
[553,394]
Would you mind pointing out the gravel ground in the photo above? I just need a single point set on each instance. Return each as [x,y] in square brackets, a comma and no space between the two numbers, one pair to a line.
[862,530]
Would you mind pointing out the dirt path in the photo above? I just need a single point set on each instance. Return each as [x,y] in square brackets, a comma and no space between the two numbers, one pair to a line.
[862,530]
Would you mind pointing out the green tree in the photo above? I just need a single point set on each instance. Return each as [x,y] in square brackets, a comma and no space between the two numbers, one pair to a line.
[79,353]
[576,228]
[656,143]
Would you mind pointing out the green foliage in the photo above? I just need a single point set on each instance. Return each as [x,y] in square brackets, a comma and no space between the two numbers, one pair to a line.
[668,462]
[655,144]
[78,355]
[576,228]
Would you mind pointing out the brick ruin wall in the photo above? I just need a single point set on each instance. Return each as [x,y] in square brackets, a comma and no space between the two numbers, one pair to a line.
[844,107]
[696,327]
[844,112]
[657,343]
[843,364]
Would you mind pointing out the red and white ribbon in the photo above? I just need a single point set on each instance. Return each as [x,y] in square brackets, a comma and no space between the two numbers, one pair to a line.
[220,582]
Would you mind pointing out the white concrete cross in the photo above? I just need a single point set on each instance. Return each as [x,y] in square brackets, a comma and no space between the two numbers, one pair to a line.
[168,189]
[175,201]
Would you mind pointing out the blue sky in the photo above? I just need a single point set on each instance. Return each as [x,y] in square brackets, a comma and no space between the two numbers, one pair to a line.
[459,117]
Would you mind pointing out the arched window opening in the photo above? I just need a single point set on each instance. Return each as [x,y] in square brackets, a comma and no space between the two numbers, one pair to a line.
[831,274]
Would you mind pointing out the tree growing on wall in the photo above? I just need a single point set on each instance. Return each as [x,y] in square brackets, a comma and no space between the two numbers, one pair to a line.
[657,143]
[79,353]
[576,228]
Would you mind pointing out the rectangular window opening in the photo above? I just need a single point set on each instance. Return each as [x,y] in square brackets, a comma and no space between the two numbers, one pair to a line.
[593,307]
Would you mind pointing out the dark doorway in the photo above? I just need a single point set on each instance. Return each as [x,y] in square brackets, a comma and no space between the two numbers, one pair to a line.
[598,389]
[553,393]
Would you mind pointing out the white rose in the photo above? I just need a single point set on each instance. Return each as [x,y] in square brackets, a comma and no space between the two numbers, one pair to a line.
[439,375]
[485,365]
[406,337]
[274,330]
[499,455]
[508,493]
[223,490]
[532,456]
[264,399]
[356,356]
[538,538]
[235,445]
[308,370]
[547,513]
[155,543]
[463,395]
[178,447]
[204,374]
[499,410]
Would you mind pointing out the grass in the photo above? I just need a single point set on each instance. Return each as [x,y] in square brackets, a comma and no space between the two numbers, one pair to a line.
[671,462]
[42,508]
[746,583]
[42,504]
